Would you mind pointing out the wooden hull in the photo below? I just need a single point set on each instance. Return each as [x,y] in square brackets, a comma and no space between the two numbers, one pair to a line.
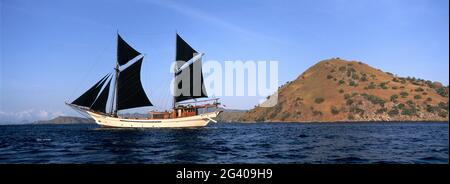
[192,121]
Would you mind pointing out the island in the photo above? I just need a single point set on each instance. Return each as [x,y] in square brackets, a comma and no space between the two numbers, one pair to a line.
[336,90]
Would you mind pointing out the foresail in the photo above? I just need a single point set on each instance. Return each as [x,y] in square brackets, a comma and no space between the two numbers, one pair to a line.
[100,102]
[88,98]
[130,93]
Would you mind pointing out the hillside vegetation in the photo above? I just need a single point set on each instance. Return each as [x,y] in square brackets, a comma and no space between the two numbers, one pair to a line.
[339,90]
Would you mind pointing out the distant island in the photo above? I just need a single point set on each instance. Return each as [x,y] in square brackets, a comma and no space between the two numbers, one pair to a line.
[64,120]
[337,90]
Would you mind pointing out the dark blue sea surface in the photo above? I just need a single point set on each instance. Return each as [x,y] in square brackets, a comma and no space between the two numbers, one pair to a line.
[424,143]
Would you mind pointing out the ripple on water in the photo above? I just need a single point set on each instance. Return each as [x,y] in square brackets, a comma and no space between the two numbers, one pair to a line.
[350,159]
[43,140]
[433,159]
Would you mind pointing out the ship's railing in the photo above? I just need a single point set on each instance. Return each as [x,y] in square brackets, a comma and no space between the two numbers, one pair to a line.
[204,105]
[216,100]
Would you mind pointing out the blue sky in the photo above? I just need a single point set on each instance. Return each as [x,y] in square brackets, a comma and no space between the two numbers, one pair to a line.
[51,51]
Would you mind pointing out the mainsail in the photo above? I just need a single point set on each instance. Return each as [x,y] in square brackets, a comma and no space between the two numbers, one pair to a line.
[131,94]
[192,75]
[88,98]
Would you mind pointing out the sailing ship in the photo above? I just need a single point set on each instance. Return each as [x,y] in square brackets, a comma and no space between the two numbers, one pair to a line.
[127,92]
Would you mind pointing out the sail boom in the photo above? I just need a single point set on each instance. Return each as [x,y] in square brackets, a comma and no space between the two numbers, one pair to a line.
[192,77]
[188,63]
[131,62]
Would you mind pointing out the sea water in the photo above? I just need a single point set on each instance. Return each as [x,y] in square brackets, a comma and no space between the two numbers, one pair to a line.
[414,142]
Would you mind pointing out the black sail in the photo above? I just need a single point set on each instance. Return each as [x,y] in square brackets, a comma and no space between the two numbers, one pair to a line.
[100,103]
[88,98]
[191,75]
[184,52]
[125,52]
[194,76]
[130,92]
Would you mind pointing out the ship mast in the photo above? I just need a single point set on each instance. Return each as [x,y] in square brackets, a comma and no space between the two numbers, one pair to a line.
[114,102]
[115,92]
[174,70]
